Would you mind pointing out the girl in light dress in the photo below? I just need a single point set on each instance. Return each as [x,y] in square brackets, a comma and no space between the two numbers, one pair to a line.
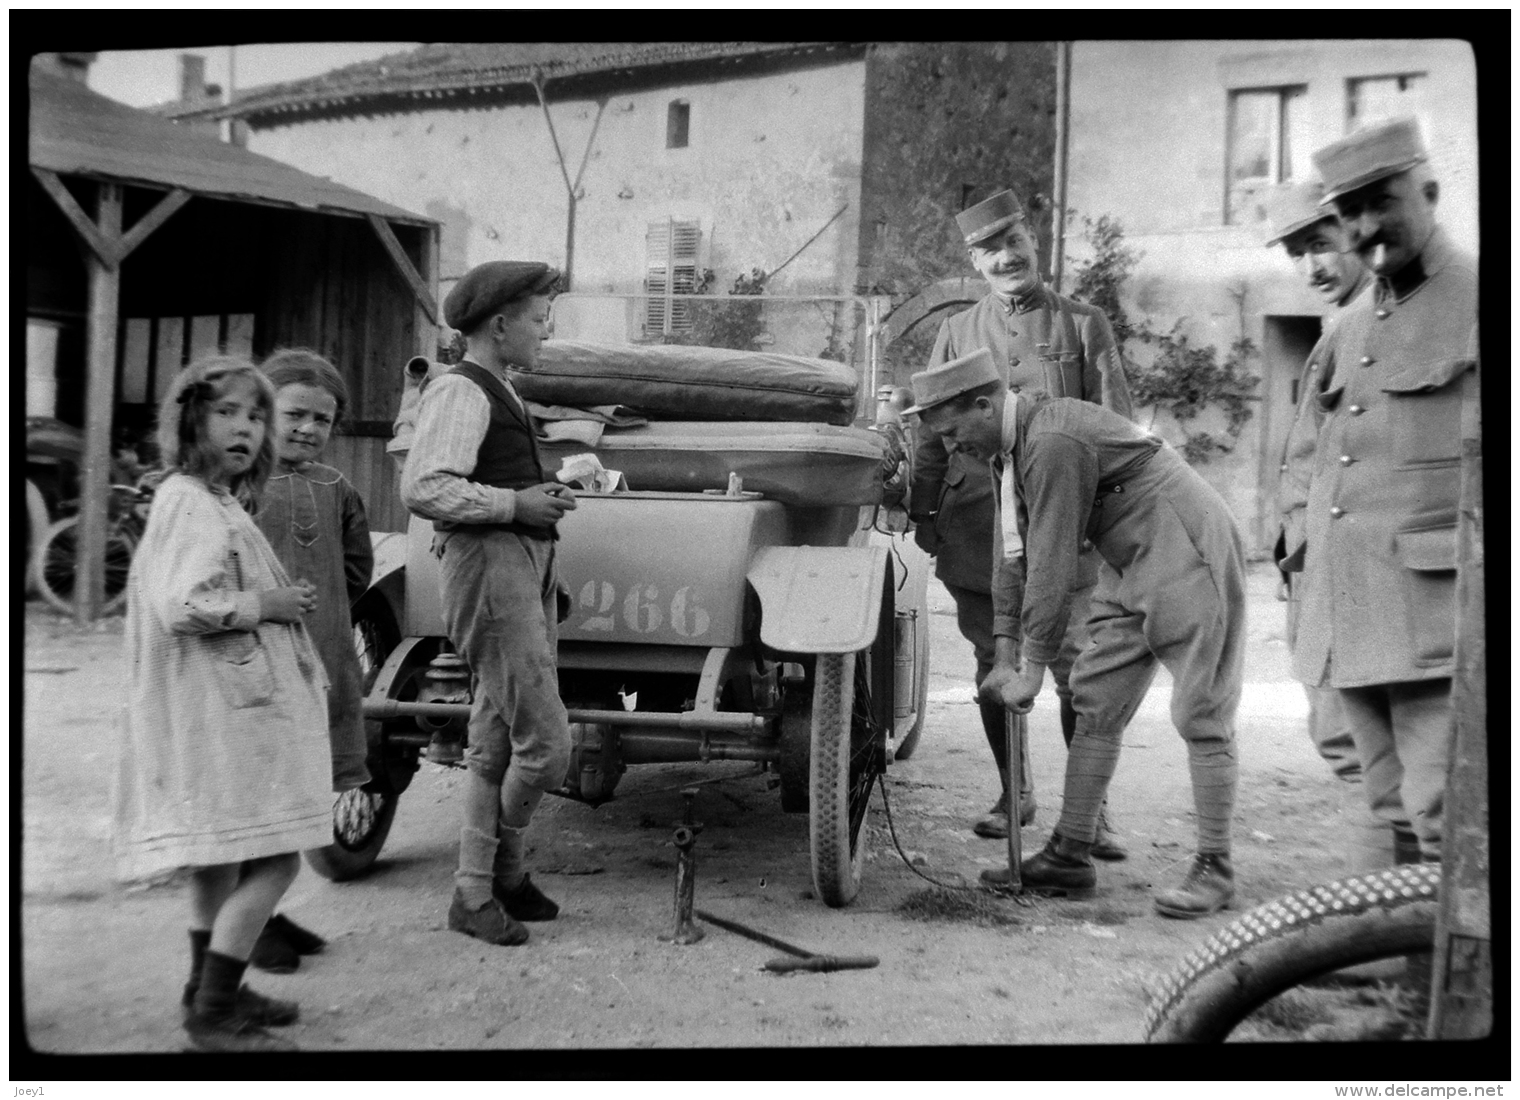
[223,764]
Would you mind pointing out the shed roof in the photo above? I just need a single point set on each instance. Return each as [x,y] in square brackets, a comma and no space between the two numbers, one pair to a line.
[75,131]
[446,69]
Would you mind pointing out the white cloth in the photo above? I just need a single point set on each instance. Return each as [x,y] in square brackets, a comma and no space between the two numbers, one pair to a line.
[223,752]
[1008,488]
[452,418]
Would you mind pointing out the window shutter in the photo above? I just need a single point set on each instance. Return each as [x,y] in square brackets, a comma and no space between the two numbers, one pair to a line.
[670,268]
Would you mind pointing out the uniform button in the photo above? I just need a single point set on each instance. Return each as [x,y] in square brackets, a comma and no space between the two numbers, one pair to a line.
[1337,512]
[1014,361]
[1368,360]
[1383,315]
[1356,410]
[1283,468]
[1345,460]
[1015,389]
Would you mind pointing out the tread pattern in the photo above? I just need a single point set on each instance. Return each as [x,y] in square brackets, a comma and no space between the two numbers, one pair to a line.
[1290,915]
[836,868]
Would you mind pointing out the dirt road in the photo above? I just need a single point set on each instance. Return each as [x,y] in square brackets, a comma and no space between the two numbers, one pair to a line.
[103,965]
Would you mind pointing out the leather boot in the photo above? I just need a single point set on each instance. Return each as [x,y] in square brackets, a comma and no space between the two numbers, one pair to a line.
[1208,888]
[1064,868]
[995,825]
[1106,844]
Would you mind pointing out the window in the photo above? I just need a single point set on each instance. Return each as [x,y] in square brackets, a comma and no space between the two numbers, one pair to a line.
[1371,98]
[1269,144]
[677,124]
[670,269]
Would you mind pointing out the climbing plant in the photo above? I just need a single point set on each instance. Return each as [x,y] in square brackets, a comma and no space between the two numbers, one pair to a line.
[725,324]
[1171,372]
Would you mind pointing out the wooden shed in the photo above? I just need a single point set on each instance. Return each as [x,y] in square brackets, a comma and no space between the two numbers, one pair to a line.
[148,245]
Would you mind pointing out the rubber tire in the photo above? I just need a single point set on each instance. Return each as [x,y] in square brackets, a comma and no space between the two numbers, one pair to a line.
[343,860]
[1291,940]
[52,566]
[37,523]
[837,862]
[909,743]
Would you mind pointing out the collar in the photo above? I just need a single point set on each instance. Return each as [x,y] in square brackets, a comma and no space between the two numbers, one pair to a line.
[1438,253]
[1011,305]
[499,375]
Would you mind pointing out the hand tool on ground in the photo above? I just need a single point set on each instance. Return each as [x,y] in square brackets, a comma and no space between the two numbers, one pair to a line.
[685,838]
[1013,737]
[799,959]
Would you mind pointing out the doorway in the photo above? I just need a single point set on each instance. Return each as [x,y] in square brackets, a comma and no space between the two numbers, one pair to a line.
[1286,343]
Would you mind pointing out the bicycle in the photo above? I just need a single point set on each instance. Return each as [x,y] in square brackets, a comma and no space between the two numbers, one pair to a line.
[54,563]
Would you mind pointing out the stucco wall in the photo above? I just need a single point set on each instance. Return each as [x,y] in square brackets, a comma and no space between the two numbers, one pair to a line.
[771,158]
[1148,146]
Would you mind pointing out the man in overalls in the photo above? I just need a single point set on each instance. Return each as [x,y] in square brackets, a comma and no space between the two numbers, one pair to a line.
[1171,591]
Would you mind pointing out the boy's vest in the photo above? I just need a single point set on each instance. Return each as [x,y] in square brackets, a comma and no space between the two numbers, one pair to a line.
[508,455]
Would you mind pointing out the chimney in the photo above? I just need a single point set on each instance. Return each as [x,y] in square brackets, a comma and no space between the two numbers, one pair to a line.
[192,78]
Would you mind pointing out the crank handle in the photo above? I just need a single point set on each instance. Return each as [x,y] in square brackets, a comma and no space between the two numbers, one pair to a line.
[820,964]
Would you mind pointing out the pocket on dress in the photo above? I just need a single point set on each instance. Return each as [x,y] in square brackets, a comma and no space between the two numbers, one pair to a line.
[1430,558]
[241,667]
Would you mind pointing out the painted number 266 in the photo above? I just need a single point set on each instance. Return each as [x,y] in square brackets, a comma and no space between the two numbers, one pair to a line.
[642,609]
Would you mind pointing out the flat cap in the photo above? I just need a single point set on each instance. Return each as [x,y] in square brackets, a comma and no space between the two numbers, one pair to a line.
[490,286]
[1369,155]
[1294,206]
[989,216]
[939,384]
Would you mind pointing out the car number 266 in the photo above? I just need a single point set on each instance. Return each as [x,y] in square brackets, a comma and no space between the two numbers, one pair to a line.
[644,609]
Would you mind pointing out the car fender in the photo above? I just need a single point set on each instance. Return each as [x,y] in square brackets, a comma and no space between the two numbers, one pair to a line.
[388,576]
[820,599]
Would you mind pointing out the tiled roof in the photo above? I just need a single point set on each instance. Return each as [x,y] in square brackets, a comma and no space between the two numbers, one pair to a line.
[443,70]
[74,131]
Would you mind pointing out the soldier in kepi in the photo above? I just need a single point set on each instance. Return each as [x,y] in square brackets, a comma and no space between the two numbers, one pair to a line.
[1043,345]
[1379,582]
[474,470]
[1313,240]
[1172,590]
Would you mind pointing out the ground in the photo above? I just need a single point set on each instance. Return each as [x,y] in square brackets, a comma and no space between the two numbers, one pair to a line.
[102,963]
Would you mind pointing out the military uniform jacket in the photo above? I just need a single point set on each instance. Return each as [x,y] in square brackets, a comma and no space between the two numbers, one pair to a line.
[1379,585]
[1045,345]
[1297,464]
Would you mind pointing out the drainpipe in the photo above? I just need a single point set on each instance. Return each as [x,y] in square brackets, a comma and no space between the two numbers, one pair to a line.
[1063,121]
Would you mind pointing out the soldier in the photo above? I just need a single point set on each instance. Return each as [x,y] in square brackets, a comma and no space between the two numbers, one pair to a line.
[1379,583]
[1312,238]
[1172,590]
[474,470]
[1043,344]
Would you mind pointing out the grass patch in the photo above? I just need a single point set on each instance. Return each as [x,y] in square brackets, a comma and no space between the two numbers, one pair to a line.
[960,906]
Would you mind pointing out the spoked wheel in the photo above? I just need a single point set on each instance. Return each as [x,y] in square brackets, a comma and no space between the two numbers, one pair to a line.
[846,756]
[1292,940]
[361,822]
[54,564]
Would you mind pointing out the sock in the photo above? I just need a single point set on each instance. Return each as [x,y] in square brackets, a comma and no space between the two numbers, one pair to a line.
[477,852]
[508,868]
[1213,768]
[200,940]
[518,801]
[1090,766]
[216,999]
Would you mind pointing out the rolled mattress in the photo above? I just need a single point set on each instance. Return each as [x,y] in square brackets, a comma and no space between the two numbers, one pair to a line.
[809,465]
[676,382]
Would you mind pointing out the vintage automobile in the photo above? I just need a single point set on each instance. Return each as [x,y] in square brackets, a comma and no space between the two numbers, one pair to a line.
[743,600]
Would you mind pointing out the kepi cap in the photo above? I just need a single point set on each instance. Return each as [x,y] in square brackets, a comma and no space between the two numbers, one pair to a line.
[939,384]
[989,216]
[1369,155]
[1294,206]
[487,288]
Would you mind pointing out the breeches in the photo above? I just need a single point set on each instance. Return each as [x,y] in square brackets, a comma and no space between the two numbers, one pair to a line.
[1404,734]
[499,610]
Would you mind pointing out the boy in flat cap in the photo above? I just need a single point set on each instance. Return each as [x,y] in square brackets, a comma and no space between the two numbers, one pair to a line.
[1378,621]
[474,470]
[1042,344]
[1312,239]
[1069,471]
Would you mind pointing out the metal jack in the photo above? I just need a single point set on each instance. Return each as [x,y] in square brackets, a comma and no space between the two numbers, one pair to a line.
[685,840]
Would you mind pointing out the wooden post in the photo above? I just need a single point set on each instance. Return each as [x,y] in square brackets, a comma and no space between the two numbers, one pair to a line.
[100,396]
[1462,982]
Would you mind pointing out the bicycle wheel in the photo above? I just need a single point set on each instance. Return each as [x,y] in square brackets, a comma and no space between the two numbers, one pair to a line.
[54,564]
[1291,940]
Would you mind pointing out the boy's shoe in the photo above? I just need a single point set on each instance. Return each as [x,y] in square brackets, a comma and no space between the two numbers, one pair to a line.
[488,922]
[305,941]
[526,902]
[262,1010]
[1208,888]
[233,1034]
[273,952]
